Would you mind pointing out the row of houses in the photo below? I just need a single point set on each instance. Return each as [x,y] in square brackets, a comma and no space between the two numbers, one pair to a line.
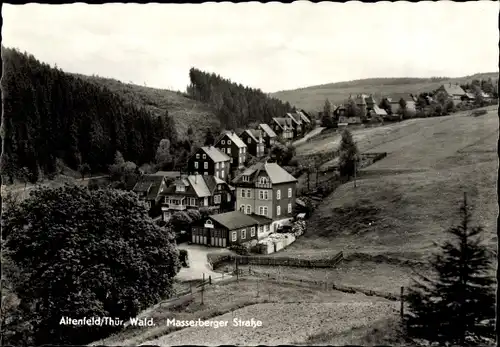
[246,203]
[368,105]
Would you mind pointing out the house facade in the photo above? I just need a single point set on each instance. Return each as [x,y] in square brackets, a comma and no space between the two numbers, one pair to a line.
[255,142]
[268,134]
[210,161]
[226,229]
[297,124]
[307,121]
[282,126]
[268,190]
[454,91]
[231,145]
[194,192]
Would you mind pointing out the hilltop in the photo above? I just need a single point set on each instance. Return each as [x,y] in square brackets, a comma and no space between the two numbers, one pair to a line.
[313,98]
[185,111]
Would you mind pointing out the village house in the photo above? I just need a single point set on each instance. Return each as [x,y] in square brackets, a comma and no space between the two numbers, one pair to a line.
[209,160]
[268,190]
[196,191]
[395,103]
[307,122]
[342,118]
[255,142]
[149,188]
[268,134]
[231,144]
[297,124]
[283,127]
[226,229]
[454,91]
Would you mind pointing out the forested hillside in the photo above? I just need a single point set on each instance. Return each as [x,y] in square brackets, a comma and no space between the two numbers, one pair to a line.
[234,104]
[51,116]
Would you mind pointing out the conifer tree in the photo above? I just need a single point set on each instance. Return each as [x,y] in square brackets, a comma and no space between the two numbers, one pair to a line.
[348,154]
[457,304]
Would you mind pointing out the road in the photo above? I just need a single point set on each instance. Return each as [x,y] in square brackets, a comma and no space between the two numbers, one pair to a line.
[198,263]
[314,132]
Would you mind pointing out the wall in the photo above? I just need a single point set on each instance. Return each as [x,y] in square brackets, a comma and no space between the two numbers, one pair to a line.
[285,200]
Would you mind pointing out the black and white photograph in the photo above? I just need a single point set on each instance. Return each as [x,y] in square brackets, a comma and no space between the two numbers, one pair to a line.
[309,174]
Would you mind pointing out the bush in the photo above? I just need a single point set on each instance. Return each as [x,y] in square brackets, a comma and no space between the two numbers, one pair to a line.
[239,249]
[183,257]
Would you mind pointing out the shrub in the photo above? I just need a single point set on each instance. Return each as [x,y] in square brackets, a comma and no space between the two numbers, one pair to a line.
[183,257]
[239,249]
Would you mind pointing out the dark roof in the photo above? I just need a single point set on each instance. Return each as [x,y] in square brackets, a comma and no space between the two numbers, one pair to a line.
[275,172]
[267,129]
[304,116]
[453,89]
[283,122]
[295,117]
[149,184]
[261,220]
[369,100]
[234,220]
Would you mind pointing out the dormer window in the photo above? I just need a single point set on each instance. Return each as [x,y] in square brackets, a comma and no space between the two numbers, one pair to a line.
[204,156]
[246,178]
[263,180]
[228,142]
[180,188]
[223,142]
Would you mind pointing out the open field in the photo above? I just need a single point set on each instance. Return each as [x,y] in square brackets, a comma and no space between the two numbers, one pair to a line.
[404,202]
[305,301]
[313,98]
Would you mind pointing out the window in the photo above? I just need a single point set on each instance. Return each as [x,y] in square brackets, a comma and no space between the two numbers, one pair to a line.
[289,192]
[195,164]
[204,156]
[246,178]
[249,193]
[242,208]
[217,174]
[223,142]
[205,173]
[216,165]
[289,208]
[205,165]
[263,210]
[243,193]
[249,209]
[263,195]
[278,194]
[228,197]
[192,202]
[234,236]
[260,229]
[252,231]
[222,174]
[228,142]
[222,164]
[266,227]
[217,199]
[180,188]
[263,180]
[197,155]
[249,140]
[231,160]
[243,234]
[278,210]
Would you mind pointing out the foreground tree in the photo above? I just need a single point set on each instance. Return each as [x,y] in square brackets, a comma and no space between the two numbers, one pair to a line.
[457,304]
[348,154]
[83,253]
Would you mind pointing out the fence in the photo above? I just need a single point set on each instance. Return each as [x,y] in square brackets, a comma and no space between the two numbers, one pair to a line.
[218,260]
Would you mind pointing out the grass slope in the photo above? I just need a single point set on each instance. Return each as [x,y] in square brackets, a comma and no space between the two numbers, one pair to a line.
[413,194]
[313,98]
[185,111]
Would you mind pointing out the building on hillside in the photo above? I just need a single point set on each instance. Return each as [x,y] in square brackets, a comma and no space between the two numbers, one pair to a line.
[209,160]
[268,190]
[395,104]
[454,91]
[370,103]
[283,128]
[469,97]
[149,187]
[377,112]
[341,117]
[268,134]
[297,124]
[197,191]
[360,101]
[255,142]
[307,120]
[231,144]
[226,229]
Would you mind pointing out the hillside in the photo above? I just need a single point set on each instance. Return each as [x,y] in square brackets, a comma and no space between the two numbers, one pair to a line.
[184,111]
[313,98]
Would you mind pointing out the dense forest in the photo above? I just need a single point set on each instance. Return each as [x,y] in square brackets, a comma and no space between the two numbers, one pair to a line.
[51,117]
[234,104]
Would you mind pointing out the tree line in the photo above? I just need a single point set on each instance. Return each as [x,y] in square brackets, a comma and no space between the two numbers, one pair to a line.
[51,117]
[235,104]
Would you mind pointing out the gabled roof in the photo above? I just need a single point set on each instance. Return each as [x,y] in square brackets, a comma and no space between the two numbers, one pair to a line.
[200,186]
[267,129]
[284,122]
[379,111]
[215,154]
[453,89]
[196,185]
[234,138]
[254,134]
[149,184]
[303,116]
[275,172]
[295,117]
[370,100]
[234,220]
[470,95]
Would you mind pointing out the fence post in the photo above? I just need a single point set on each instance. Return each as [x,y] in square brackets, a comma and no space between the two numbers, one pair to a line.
[202,288]
[402,302]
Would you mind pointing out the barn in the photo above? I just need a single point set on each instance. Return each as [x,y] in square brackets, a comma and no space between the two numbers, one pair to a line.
[225,229]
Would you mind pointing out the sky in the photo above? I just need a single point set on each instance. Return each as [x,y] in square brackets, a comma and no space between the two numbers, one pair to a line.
[271,46]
